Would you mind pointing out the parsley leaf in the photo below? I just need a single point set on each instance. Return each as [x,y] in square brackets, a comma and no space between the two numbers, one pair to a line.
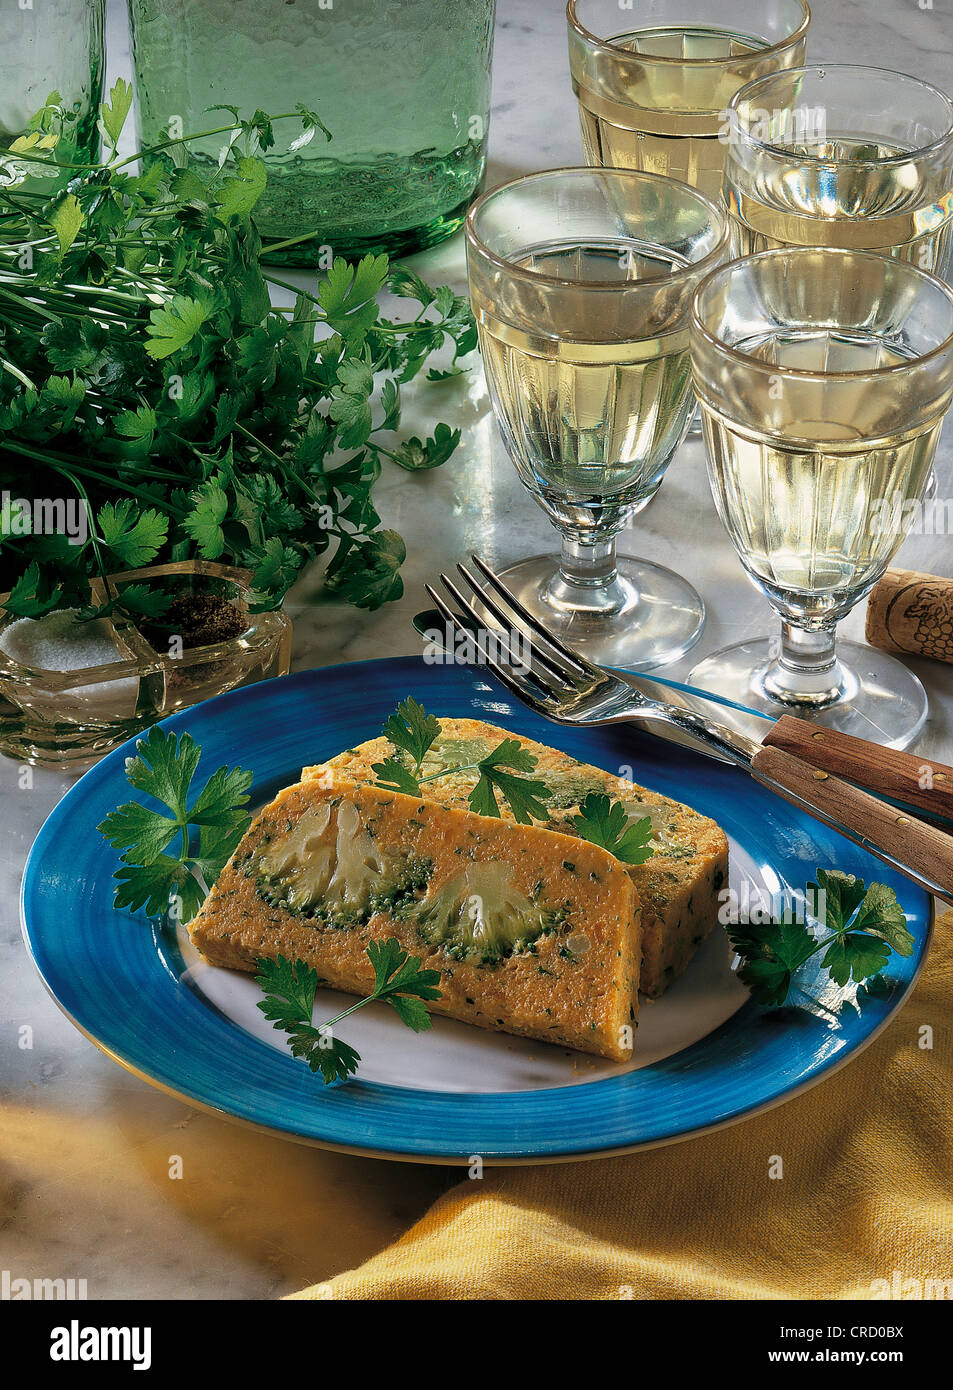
[204,522]
[366,570]
[607,824]
[289,988]
[416,456]
[412,730]
[114,112]
[147,603]
[134,537]
[843,894]
[164,769]
[396,974]
[770,955]
[408,284]
[855,954]
[67,218]
[348,293]
[878,912]
[352,414]
[393,776]
[863,926]
[237,196]
[30,596]
[173,327]
[524,795]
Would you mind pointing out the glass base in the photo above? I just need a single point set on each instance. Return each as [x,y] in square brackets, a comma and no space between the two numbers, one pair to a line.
[881,699]
[401,242]
[648,616]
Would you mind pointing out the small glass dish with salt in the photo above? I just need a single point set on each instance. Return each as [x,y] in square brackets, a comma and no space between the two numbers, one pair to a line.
[72,688]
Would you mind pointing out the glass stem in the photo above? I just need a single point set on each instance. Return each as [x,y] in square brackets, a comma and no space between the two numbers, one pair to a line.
[587,583]
[806,670]
[588,566]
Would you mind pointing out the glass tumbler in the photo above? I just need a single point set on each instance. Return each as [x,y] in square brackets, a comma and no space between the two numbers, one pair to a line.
[823,377]
[581,282]
[654,77]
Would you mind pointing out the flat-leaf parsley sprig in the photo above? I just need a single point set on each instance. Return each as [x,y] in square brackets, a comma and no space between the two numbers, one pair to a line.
[412,732]
[205,832]
[289,988]
[607,824]
[863,926]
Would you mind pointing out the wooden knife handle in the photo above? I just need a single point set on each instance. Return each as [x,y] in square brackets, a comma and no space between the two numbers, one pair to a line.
[908,777]
[920,851]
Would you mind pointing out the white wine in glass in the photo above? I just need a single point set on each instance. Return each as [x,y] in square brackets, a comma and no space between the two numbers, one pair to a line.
[581,282]
[653,78]
[590,425]
[842,155]
[823,377]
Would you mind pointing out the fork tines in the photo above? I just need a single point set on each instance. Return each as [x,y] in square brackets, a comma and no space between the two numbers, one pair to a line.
[519,656]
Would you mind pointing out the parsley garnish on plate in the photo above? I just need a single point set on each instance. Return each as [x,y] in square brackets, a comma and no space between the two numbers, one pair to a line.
[607,824]
[289,988]
[523,795]
[412,733]
[863,926]
[205,832]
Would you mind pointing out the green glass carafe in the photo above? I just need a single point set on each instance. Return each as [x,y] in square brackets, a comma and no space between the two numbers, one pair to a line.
[403,87]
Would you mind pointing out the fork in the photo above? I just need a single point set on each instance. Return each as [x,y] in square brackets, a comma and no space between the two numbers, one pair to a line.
[563,686]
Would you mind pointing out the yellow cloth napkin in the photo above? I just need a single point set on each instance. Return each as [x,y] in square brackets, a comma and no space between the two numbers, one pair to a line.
[861,1205]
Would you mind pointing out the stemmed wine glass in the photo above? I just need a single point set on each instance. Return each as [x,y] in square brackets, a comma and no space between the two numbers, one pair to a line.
[823,377]
[835,154]
[581,282]
[653,77]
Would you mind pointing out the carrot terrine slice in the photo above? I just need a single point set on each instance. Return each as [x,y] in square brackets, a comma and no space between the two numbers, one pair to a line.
[533,933]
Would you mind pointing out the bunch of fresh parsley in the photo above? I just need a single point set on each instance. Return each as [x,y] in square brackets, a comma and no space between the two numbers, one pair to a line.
[863,925]
[145,373]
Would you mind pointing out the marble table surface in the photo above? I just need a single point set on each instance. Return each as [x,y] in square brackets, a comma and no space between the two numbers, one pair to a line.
[85,1149]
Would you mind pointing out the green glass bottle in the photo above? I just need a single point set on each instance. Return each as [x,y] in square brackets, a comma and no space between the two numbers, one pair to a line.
[52,49]
[403,87]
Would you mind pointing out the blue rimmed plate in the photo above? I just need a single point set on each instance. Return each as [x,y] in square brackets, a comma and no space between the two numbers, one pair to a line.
[706,1054]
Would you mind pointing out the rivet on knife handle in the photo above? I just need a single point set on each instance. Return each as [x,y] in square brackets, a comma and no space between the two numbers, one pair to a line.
[908,777]
[920,851]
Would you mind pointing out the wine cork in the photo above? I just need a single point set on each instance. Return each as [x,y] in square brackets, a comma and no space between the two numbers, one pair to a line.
[912,613]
